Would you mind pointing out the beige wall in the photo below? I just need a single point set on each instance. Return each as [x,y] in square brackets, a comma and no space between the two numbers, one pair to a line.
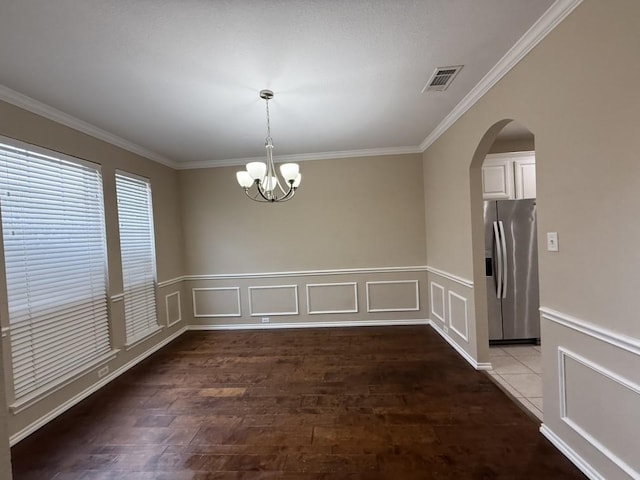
[30,128]
[348,213]
[361,214]
[585,123]
[370,213]
[513,145]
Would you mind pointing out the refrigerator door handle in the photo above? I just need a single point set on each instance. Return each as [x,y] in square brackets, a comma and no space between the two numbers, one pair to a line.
[499,270]
[503,241]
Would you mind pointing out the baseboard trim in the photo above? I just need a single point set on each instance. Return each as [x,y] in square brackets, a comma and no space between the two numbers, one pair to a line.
[42,421]
[472,361]
[275,326]
[570,453]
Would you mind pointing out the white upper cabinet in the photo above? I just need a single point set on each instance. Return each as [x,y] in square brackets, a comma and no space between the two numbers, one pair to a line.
[497,179]
[509,176]
[525,177]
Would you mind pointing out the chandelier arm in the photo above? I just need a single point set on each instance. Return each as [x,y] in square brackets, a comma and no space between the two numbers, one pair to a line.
[289,194]
[258,197]
[254,197]
[261,192]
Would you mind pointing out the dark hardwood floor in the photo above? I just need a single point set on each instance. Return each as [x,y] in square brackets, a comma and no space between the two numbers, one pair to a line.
[343,403]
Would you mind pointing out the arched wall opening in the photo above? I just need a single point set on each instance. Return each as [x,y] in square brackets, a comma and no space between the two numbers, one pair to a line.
[506,152]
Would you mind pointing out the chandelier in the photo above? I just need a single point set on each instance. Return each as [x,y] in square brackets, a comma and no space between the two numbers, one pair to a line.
[264,177]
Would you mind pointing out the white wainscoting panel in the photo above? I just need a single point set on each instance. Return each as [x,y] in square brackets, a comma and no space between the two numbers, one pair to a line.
[607,428]
[326,298]
[393,296]
[437,302]
[173,306]
[458,315]
[273,300]
[216,302]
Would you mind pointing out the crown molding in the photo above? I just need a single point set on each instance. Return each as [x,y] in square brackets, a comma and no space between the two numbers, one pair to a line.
[539,30]
[34,106]
[369,152]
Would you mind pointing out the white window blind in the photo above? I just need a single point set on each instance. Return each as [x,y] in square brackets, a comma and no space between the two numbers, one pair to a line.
[137,247]
[55,260]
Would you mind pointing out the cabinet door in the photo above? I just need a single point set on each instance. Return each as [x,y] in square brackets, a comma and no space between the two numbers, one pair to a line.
[497,179]
[525,177]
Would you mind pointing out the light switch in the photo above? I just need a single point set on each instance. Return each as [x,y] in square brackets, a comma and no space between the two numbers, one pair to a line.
[552,241]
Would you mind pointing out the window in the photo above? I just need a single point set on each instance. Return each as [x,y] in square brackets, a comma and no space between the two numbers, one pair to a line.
[55,262]
[137,248]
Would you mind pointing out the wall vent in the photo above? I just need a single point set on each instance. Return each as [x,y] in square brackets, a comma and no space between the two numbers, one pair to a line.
[441,79]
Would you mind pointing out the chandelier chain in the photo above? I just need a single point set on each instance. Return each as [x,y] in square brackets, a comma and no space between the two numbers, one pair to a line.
[268,122]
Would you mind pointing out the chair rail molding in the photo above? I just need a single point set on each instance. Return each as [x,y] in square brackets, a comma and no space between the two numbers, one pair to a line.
[450,276]
[307,273]
[619,340]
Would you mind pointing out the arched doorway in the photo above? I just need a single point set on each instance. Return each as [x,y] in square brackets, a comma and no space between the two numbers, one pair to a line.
[505,251]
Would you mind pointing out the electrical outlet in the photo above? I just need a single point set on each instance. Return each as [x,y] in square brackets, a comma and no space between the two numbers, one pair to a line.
[266,319]
[103,371]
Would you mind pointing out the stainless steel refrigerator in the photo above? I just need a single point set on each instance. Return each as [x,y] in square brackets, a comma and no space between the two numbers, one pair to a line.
[511,261]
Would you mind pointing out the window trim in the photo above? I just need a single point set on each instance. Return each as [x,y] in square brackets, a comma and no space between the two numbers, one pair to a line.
[18,405]
[131,343]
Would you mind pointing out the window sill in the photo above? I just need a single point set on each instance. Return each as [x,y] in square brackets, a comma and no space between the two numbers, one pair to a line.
[138,340]
[34,397]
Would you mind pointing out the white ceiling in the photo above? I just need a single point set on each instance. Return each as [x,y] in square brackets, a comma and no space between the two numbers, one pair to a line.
[180,78]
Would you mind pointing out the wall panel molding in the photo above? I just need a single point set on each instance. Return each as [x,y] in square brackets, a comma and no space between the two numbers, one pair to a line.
[256,312]
[608,336]
[563,355]
[414,308]
[450,276]
[311,286]
[464,332]
[439,315]
[196,314]
[171,323]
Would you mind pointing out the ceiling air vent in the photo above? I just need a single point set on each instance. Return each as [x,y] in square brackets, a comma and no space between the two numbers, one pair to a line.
[441,79]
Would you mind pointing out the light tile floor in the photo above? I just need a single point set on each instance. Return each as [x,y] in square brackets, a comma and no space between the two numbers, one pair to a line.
[518,369]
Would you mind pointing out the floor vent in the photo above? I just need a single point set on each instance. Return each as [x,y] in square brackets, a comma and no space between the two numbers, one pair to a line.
[441,79]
